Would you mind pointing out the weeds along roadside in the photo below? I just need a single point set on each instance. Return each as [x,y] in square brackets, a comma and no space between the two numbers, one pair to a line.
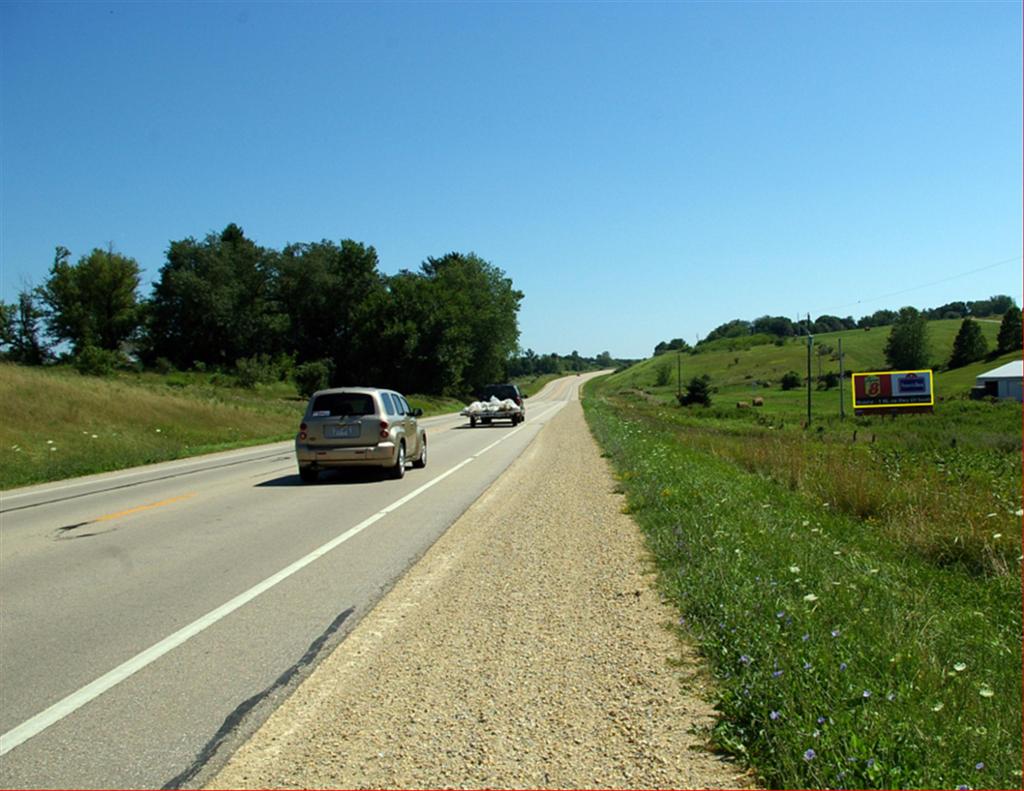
[845,655]
[60,424]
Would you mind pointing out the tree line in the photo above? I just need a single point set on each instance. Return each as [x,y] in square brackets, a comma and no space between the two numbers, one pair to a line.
[320,311]
[907,344]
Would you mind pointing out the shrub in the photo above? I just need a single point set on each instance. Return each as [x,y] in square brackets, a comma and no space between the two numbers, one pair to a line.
[791,380]
[254,370]
[663,375]
[163,365]
[92,361]
[828,380]
[312,376]
[698,391]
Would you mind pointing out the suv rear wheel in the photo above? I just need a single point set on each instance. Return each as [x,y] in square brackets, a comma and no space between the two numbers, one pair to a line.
[398,471]
[421,462]
[309,474]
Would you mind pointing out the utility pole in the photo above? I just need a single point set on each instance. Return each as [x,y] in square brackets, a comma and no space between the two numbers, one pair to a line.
[810,343]
[679,373]
[842,405]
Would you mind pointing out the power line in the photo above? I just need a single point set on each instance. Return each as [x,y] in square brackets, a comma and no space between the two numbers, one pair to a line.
[926,285]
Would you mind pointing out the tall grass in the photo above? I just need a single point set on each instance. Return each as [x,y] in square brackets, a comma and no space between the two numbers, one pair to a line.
[852,645]
[58,424]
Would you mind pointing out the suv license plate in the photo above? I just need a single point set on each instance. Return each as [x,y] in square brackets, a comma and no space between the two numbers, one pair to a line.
[342,432]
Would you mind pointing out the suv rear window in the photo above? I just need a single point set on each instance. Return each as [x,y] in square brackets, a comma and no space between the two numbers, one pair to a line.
[335,404]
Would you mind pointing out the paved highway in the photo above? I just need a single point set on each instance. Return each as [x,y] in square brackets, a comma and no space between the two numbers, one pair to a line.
[151,619]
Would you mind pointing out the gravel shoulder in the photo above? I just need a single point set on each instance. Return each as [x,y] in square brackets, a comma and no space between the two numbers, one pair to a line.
[528,648]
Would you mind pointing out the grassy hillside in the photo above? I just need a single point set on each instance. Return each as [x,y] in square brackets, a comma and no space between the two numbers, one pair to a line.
[740,374]
[59,424]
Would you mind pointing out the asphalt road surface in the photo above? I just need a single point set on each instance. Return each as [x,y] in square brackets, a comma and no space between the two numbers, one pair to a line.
[151,619]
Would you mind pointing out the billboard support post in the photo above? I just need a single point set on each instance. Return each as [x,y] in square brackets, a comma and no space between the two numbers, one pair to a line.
[810,342]
[842,406]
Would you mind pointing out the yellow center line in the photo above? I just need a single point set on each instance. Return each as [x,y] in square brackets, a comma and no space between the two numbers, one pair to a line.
[135,510]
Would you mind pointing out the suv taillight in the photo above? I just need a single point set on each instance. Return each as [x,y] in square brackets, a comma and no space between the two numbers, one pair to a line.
[302,430]
[384,429]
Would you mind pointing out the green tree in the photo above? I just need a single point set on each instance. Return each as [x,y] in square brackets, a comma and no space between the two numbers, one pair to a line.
[453,326]
[213,302]
[332,296]
[736,328]
[93,302]
[907,345]
[19,330]
[773,325]
[8,314]
[676,344]
[698,391]
[969,344]
[1009,338]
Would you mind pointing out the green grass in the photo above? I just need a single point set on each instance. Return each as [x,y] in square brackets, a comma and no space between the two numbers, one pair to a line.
[59,424]
[866,591]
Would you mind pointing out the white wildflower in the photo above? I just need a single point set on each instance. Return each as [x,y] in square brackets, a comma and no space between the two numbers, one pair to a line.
[794,569]
[810,597]
[960,667]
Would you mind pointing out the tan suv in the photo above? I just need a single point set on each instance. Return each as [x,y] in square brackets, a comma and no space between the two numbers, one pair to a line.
[359,427]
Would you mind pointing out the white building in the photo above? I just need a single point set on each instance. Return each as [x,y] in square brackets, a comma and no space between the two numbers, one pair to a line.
[1001,382]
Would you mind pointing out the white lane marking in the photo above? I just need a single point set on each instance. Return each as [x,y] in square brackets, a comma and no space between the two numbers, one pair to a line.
[62,708]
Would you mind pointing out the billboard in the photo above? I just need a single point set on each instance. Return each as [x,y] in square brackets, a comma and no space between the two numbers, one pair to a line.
[895,391]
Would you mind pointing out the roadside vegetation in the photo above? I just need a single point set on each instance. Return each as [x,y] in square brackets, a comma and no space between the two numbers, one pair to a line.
[855,585]
[60,424]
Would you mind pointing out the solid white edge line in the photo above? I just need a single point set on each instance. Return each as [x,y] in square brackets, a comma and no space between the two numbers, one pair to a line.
[62,708]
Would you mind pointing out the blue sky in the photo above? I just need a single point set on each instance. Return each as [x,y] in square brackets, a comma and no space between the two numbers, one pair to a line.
[642,171]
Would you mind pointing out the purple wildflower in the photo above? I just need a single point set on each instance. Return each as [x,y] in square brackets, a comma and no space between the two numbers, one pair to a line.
[745,660]
[871,762]
[807,665]
[806,637]
[776,673]
[775,715]
[980,765]
[842,666]
[891,696]
[821,720]
[866,694]
[835,633]
[780,614]
[810,755]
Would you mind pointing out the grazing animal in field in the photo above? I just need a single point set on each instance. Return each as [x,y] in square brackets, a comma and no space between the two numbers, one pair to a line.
[758,401]
[742,405]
